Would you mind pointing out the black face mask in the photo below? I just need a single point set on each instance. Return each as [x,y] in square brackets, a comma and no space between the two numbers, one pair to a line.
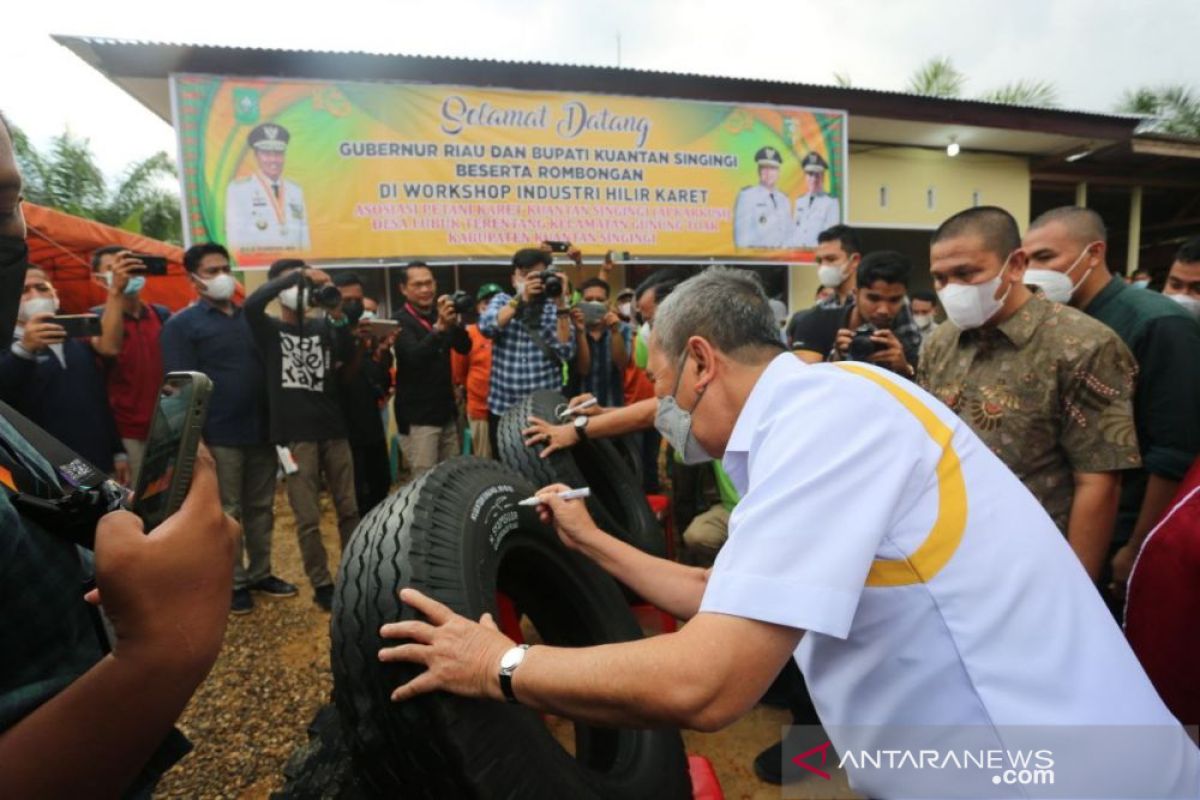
[353,309]
[14,261]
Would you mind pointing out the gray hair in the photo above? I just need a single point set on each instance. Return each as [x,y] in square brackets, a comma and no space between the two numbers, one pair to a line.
[725,306]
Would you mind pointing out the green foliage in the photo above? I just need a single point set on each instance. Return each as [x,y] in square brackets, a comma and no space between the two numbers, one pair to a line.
[842,79]
[66,177]
[1173,110]
[937,77]
[1024,92]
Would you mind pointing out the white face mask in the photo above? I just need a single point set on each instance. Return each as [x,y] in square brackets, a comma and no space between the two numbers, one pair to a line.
[37,305]
[923,321]
[1189,303]
[289,298]
[1058,286]
[675,424]
[519,286]
[1140,284]
[625,310]
[970,305]
[220,287]
[832,276]
[366,316]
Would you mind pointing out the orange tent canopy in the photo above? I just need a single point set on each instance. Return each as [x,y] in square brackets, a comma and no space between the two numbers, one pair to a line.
[62,245]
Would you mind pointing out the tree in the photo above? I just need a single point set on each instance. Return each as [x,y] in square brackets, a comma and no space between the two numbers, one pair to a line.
[1172,109]
[937,77]
[66,177]
[1024,93]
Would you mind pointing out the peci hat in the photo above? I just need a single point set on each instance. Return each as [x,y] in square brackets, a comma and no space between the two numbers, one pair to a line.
[768,157]
[813,163]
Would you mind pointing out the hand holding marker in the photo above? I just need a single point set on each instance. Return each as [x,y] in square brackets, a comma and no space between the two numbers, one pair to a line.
[570,494]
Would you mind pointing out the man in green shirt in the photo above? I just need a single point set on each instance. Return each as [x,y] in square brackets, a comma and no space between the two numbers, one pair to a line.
[1067,248]
[1047,389]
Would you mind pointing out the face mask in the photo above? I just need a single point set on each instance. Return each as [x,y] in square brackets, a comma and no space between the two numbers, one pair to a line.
[1140,284]
[220,287]
[289,298]
[1189,303]
[37,305]
[625,310]
[831,276]
[367,315]
[353,309]
[135,284]
[1057,286]
[970,305]
[923,321]
[675,424]
[520,288]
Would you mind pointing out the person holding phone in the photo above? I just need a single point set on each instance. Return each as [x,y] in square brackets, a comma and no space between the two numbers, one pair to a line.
[130,344]
[56,382]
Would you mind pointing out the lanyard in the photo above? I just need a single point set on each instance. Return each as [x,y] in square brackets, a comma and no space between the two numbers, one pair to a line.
[415,315]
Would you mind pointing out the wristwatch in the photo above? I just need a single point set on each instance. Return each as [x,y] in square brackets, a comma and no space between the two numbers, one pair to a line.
[581,423]
[509,662]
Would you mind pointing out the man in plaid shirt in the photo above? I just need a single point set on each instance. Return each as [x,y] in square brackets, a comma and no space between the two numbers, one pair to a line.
[520,364]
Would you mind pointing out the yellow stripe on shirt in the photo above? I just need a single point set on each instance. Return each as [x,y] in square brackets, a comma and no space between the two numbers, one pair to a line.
[947,531]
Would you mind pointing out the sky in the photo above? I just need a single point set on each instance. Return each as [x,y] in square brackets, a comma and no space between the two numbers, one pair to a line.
[1092,50]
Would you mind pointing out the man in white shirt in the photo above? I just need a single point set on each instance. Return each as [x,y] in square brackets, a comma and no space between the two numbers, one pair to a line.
[872,528]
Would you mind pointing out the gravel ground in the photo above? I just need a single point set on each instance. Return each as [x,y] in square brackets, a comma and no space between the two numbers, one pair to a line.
[273,674]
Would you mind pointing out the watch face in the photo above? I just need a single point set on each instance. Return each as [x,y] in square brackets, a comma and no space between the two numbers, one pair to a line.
[512,658]
[581,422]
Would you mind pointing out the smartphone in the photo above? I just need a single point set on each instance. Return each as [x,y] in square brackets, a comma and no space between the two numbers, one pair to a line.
[618,256]
[558,247]
[78,326]
[155,265]
[166,471]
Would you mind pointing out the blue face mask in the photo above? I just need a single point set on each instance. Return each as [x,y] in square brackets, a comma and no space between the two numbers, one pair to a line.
[1140,284]
[135,285]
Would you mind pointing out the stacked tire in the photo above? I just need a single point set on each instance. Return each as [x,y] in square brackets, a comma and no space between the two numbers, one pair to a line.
[607,467]
[458,535]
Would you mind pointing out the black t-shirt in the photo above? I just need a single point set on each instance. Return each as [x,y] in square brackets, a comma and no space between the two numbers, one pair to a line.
[302,369]
[816,329]
[367,382]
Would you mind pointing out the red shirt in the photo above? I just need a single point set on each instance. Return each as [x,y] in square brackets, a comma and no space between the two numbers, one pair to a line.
[135,376]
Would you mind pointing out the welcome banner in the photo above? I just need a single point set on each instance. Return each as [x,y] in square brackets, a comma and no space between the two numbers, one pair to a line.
[341,171]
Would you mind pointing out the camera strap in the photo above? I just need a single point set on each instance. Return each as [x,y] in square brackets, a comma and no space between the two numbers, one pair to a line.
[540,341]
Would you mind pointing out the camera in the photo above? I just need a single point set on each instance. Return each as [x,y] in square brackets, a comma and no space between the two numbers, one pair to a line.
[862,347]
[552,282]
[463,302]
[327,296]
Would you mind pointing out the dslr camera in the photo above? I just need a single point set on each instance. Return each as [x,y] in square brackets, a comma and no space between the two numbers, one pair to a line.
[862,347]
[463,302]
[326,296]
[552,282]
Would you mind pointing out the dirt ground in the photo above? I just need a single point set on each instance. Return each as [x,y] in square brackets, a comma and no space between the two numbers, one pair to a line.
[274,673]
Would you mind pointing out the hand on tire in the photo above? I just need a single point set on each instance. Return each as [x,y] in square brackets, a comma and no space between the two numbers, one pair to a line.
[460,656]
[555,437]
[570,518]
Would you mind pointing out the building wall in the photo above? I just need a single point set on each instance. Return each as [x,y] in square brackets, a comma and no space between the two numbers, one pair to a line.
[908,174]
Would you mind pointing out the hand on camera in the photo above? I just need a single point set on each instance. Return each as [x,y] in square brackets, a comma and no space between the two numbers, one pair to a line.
[40,333]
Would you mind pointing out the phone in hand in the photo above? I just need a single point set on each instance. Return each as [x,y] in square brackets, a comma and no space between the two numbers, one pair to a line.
[618,256]
[78,326]
[165,475]
[558,247]
[155,265]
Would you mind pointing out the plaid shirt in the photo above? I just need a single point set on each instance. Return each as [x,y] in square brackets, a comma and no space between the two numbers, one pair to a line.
[519,365]
[47,639]
[905,329]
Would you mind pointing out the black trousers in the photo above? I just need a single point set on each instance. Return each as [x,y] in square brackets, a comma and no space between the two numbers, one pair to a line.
[372,474]
[493,429]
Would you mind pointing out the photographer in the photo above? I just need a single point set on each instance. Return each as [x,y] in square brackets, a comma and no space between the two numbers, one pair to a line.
[75,722]
[531,332]
[424,392]
[130,343]
[877,327]
[304,358]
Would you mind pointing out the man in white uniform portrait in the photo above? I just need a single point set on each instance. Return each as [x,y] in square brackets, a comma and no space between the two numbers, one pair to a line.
[816,209]
[878,542]
[762,215]
[264,210]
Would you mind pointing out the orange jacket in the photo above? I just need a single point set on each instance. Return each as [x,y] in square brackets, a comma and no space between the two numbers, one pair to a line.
[474,370]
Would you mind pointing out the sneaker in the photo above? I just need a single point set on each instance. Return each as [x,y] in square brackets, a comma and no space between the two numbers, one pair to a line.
[323,596]
[768,765]
[242,603]
[274,587]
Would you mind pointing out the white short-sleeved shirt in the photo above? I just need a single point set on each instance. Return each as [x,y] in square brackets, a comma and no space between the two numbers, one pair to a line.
[933,588]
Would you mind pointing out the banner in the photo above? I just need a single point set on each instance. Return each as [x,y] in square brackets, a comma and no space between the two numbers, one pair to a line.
[343,171]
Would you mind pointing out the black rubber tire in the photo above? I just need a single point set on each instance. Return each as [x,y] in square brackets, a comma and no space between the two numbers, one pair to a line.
[321,768]
[457,535]
[617,504]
